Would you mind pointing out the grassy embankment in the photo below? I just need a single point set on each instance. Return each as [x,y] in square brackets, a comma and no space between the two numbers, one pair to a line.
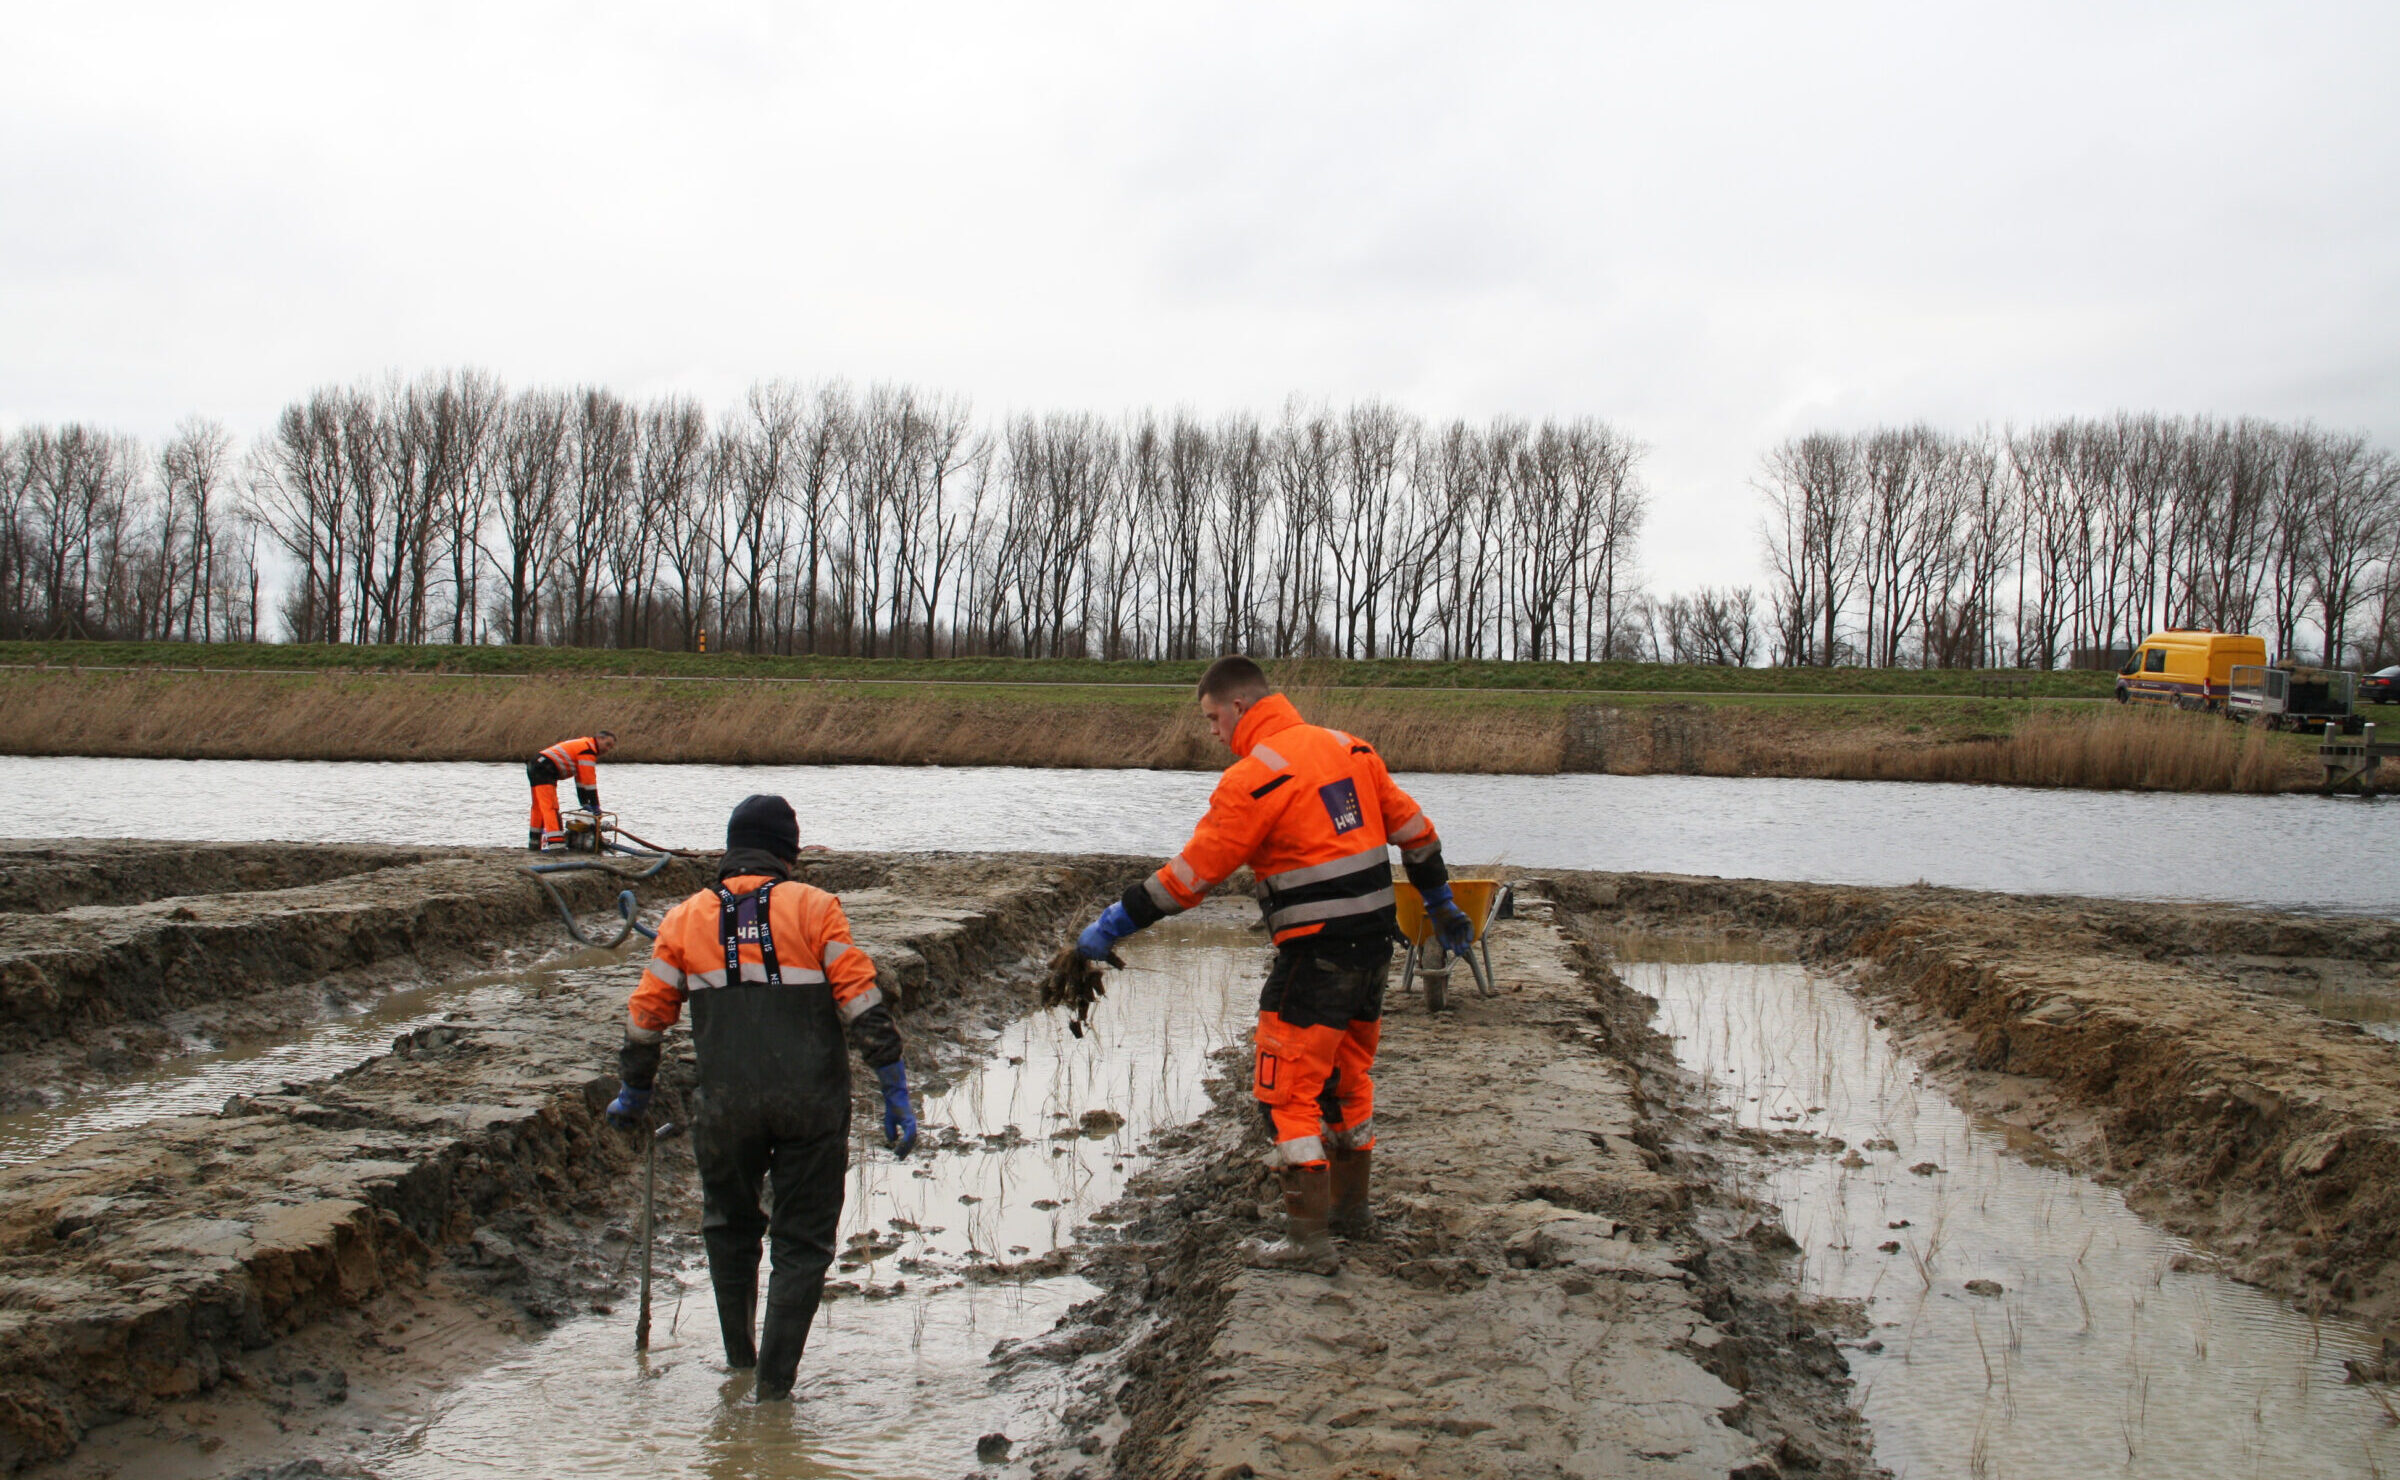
[442,703]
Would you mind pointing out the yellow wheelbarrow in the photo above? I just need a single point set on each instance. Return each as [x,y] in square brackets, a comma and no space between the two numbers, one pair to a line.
[1482,901]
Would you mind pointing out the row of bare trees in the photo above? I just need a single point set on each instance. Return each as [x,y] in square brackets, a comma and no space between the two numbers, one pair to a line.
[101,537]
[819,519]
[890,521]
[2072,540]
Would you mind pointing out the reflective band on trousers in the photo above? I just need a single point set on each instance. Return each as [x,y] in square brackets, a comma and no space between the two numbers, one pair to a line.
[1351,1137]
[1300,1152]
[1331,909]
[1367,861]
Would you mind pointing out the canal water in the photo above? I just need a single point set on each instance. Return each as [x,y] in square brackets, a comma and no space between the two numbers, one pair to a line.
[2024,1321]
[2290,852]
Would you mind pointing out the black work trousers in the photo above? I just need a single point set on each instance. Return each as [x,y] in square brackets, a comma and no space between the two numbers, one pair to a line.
[803,1179]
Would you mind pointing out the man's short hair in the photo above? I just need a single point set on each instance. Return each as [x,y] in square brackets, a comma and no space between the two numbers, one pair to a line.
[1234,679]
[604,734]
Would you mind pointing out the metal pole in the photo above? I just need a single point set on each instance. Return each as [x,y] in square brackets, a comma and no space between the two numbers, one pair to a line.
[641,1329]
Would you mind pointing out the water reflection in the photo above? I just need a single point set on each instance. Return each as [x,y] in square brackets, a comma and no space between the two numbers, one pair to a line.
[2088,1352]
[2121,844]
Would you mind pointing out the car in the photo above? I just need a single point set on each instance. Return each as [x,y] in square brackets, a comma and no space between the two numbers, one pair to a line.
[2380,687]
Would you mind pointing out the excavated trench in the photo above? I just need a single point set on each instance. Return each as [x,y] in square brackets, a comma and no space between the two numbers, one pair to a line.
[181,1287]
[329,1184]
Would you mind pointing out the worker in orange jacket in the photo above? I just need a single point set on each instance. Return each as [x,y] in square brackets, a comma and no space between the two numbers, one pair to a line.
[546,771]
[774,983]
[1314,814]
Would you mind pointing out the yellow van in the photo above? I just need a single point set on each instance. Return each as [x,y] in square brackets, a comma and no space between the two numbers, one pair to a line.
[2190,670]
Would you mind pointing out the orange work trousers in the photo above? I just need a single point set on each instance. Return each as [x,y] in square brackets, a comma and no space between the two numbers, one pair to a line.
[1319,1021]
[545,813]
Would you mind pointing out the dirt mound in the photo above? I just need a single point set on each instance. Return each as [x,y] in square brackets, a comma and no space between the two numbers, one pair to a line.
[38,877]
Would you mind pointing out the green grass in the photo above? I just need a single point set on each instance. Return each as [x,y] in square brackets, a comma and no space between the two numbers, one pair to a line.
[1664,679]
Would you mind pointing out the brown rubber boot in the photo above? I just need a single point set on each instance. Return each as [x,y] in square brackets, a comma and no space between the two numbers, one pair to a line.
[1352,1171]
[1306,1244]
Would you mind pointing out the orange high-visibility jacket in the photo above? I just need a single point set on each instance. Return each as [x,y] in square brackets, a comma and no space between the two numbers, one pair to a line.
[1312,811]
[576,758]
[773,1036]
[812,949]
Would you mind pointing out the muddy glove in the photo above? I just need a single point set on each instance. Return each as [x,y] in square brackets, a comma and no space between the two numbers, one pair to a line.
[899,1121]
[1075,982]
[1099,939]
[588,797]
[1450,923]
[627,1109]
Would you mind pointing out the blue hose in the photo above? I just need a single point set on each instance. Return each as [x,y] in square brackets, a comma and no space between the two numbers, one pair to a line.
[625,900]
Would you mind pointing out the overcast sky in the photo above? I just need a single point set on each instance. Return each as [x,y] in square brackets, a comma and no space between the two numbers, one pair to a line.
[1713,225]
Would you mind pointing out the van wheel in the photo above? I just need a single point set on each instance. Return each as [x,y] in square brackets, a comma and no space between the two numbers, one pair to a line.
[2121,696]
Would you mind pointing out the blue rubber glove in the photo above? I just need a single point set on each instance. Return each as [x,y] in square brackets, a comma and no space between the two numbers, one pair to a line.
[1099,939]
[1450,923]
[899,1121]
[627,1109]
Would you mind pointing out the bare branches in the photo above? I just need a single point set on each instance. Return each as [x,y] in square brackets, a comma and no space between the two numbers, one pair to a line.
[2087,535]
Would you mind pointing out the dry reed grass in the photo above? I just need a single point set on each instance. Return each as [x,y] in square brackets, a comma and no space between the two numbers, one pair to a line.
[2107,749]
[398,717]
[387,717]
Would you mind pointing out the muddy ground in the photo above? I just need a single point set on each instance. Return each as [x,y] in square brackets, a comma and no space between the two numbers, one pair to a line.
[252,1273]
[1564,1280]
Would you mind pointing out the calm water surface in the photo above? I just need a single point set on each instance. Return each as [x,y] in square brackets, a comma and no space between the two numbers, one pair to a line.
[2297,852]
[2092,1344]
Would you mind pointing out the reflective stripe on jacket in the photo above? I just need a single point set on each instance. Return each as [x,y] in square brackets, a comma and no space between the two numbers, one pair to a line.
[576,758]
[1312,811]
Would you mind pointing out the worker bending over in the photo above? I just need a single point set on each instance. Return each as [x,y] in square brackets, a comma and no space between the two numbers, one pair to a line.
[773,980]
[576,758]
[1313,812]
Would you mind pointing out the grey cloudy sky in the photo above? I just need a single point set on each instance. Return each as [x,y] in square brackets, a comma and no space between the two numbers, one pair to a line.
[1715,225]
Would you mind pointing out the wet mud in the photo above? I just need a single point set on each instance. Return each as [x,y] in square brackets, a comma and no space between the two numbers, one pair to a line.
[173,1263]
[1582,1266]
[1558,1283]
[140,952]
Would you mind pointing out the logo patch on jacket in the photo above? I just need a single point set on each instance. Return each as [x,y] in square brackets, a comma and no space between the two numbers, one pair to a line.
[1341,804]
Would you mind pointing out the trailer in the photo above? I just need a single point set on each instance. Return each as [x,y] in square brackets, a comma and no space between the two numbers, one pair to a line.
[2289,696]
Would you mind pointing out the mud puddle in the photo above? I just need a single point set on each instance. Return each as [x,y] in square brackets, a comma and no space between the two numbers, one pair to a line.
[2377,1012]
[199,1080]
[950,1253]
[2023,1321]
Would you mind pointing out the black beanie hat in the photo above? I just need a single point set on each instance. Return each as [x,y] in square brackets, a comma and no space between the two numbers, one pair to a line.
[765,823]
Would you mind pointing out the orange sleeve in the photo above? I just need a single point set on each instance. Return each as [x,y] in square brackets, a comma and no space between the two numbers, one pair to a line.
[657,1001]
[1229,833]
[1405,824]
[816,917]
[587,754]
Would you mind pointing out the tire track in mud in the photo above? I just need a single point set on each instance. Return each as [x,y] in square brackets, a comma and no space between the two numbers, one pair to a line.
[146,1268]
[1557,1286]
